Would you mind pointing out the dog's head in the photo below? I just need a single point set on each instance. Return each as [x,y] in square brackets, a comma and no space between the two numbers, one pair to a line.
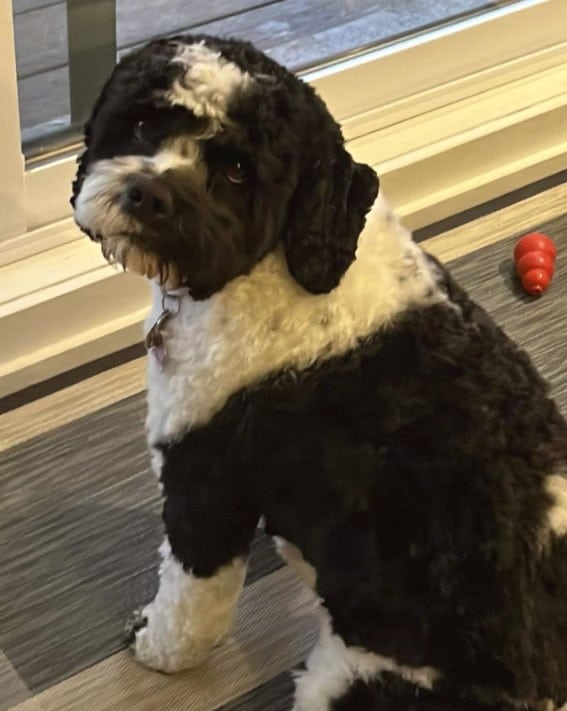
[202,155]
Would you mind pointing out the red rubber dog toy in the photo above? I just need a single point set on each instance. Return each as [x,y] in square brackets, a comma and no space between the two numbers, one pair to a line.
[535,255]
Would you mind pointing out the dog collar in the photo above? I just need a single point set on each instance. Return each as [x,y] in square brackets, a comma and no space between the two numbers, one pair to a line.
[155,337]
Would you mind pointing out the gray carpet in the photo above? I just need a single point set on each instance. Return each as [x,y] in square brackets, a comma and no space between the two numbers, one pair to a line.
[79,508]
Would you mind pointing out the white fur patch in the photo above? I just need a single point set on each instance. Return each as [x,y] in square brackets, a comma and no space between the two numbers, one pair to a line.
[556,486]
[294,558]
[156,461]
[333,667]
[189,615]
[182,153]
[208,84]
[98,209]
[264,322]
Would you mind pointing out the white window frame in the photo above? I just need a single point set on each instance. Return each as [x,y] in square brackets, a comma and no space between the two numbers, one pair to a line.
[12,166]
[360,91]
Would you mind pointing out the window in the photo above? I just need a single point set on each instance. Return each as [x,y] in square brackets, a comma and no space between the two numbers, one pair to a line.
[362,54]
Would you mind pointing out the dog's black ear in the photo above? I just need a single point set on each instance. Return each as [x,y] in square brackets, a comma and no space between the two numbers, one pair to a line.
[83,157]
[326,214]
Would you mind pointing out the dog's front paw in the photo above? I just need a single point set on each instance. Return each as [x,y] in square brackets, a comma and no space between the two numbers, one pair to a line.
[160,644]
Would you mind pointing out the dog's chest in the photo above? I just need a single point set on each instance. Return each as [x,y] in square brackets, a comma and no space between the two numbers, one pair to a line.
[212,349]
[264,323]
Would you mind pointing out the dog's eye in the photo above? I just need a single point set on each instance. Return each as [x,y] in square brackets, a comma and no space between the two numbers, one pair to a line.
[140,130]
[235,172]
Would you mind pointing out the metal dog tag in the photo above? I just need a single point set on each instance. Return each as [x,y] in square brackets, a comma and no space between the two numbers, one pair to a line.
[155,344]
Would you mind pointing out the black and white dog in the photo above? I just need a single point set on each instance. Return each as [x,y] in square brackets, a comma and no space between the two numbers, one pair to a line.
[310,364]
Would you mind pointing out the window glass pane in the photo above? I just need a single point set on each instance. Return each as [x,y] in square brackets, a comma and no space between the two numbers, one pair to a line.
[297,33]
[40,28]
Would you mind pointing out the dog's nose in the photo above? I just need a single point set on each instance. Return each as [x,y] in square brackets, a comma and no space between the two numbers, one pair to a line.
[146,197]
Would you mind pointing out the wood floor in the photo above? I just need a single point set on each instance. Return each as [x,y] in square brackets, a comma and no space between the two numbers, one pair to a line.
[296,33]
[80,523]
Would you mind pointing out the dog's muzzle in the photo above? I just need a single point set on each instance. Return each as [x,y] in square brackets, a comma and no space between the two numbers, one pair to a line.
[146,198]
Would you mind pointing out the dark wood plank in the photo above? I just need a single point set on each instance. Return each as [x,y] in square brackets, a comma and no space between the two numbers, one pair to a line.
[168,16]
[276,695]
[296,33]
[44,97]
[41,34]
[21,6]
[380,23]
[41,40]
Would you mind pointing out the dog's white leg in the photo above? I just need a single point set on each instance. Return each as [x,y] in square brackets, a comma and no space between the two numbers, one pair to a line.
[189,615]
[327,675]
[333,666]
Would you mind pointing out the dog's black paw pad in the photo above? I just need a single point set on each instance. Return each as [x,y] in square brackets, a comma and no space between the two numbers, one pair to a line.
[136,622]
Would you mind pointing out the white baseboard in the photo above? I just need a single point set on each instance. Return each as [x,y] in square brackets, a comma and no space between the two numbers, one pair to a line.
[64,306]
